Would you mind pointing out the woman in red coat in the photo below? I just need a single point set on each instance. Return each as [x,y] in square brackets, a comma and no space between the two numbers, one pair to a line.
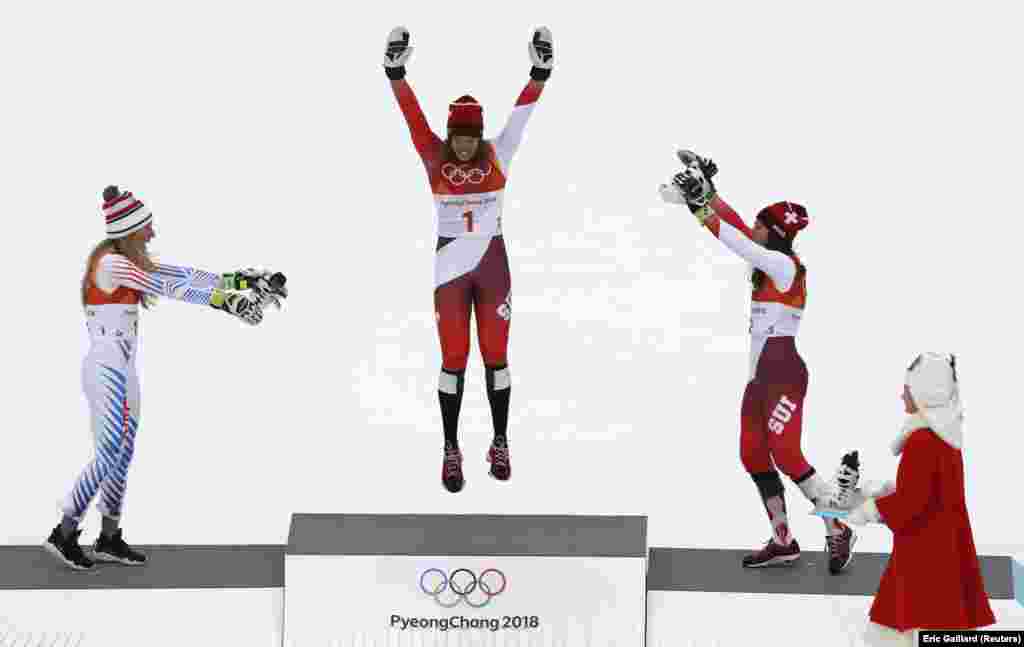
[933,579]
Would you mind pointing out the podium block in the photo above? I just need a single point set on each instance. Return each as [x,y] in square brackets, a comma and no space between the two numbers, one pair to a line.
[465,580]
[185,595]
[705,597]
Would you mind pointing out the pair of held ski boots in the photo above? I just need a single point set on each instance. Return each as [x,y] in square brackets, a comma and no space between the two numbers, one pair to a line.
[112,549]
[497,456]
[844,496]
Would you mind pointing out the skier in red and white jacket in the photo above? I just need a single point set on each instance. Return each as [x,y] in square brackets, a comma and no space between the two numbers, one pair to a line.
[467,176]
[772,410]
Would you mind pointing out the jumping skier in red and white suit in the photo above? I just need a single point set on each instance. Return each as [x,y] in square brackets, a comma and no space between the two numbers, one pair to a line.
[772,409]
[467,176]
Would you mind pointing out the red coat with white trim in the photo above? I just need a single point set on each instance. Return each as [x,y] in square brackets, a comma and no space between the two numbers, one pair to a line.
[933,580]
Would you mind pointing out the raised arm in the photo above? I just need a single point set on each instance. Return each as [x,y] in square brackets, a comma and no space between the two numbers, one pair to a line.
[507,143]
[397,51]
[729,228]
[693,188]
[542,54]
[427,144]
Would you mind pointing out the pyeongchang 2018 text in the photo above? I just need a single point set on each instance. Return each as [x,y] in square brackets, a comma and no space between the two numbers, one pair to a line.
[459,623]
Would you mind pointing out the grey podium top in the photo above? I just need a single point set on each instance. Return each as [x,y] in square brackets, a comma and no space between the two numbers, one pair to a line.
[468,535]
[169,567]
[720,571]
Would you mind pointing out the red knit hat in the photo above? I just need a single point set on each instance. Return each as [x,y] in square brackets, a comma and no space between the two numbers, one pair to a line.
[784,218]
[466,117]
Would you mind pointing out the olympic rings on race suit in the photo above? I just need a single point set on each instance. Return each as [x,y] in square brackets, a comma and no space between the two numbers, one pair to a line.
[462,591]
[458,175]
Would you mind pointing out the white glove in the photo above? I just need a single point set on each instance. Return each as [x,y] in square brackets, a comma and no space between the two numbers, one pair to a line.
[238,305]
[689,158]
[397,49]
[878,488]
[864,514]
[685,188]
[671,194]
[267,286]
[542,49]
[695,186]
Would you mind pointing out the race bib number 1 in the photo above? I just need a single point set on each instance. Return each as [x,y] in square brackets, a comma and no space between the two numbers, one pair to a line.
[468,217]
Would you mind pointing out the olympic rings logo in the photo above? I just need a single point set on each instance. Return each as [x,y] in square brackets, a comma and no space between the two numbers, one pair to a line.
[459,175]
[461,584]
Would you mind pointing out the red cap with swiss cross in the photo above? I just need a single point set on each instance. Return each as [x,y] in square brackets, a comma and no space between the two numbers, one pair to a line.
[784,218]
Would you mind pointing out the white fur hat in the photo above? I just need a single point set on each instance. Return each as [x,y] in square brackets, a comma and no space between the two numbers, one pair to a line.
[936,392]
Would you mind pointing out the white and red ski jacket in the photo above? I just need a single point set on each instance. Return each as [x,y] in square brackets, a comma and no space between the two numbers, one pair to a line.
[777,307]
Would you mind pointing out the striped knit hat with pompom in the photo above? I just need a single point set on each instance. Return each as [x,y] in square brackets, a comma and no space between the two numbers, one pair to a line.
[125,214]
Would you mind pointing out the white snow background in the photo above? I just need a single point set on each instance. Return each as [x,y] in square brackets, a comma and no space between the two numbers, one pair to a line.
[266,133]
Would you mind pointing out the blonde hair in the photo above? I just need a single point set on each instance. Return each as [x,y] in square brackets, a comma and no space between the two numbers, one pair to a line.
[131,247]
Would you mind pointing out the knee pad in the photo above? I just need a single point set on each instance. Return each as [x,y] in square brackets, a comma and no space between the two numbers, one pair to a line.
[769,484]
[450,382]
[498,379]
